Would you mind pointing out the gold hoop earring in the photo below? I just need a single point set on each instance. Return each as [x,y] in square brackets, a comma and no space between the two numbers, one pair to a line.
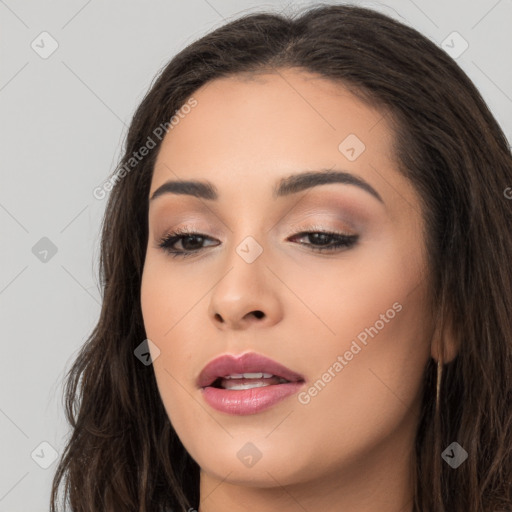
[438,385]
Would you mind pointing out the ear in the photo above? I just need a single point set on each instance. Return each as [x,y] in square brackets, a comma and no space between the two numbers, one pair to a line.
[445,343]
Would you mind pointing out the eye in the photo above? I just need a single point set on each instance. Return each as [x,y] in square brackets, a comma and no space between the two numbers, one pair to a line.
[323,241]
[191,241]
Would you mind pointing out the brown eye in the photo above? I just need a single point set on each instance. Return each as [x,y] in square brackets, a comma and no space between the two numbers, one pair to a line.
[327,241]
[191,243]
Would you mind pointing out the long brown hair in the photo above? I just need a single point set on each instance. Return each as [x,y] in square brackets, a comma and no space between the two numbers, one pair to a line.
[124,455]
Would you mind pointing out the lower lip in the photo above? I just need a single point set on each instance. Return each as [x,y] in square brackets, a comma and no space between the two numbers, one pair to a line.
[249,401]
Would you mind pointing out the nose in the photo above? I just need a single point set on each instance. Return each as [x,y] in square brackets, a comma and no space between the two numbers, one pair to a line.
[246,295]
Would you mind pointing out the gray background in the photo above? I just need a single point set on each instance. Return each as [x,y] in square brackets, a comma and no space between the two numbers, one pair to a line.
[63,120]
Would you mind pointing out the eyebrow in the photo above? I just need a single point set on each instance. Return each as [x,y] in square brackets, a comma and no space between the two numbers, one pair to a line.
[286,186]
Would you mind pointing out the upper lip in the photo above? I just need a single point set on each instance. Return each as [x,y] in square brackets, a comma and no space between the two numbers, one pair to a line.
[250,362]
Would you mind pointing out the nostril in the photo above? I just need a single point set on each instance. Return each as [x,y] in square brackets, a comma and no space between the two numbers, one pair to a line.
[259,314]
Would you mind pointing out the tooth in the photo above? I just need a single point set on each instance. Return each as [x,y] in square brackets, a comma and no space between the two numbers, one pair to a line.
[249,385]
[259,375]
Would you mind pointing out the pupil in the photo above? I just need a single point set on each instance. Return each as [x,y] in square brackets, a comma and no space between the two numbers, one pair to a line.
[322,237]
[188,239]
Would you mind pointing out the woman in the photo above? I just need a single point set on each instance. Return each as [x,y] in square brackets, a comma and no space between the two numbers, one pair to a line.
[309,238]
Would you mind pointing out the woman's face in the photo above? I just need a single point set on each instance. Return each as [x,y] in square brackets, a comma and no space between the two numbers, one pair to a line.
[352,321]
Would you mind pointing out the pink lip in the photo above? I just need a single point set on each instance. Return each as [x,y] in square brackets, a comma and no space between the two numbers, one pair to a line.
[248,401]
[249,362]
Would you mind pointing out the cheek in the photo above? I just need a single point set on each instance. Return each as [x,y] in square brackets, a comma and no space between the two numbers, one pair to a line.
[384,343]
[348,296]
[377,383]
[375,318]
[167,309]
[165,297]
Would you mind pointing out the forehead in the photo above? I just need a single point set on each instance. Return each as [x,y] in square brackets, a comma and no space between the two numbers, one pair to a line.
[268,124]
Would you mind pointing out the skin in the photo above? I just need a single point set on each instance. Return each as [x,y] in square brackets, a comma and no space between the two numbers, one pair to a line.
[351,447]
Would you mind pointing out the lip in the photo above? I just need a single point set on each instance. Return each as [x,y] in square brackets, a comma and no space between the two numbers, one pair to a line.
[249,362]
[247,401]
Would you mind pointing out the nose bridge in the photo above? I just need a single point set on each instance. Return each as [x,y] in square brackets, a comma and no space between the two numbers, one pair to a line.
[249,224]
[248,230]
[246,258]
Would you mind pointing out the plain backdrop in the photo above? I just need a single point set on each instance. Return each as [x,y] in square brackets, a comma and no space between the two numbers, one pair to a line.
[63,119]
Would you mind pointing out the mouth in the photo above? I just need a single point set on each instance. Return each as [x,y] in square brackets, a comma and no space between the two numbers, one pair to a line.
[247,381]
[247,384]
[245,372]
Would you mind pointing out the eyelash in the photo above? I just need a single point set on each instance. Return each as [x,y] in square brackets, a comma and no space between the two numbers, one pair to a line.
[342,240]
